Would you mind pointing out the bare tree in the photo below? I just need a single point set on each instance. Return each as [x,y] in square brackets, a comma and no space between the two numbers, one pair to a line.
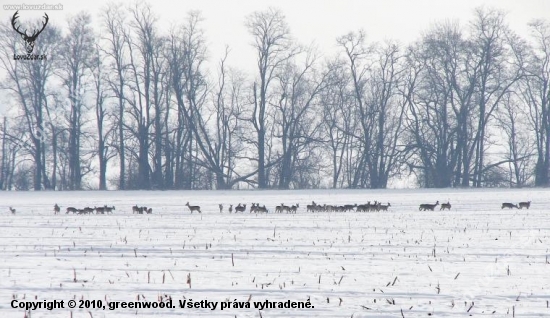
[273,46]
[535,88]
[27,84]
[76,51]
[296,122]
[114,23]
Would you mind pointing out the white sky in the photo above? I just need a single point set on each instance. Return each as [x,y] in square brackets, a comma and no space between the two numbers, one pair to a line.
[319,21]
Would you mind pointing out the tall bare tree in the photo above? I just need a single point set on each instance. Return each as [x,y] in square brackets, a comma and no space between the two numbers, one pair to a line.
[273,46]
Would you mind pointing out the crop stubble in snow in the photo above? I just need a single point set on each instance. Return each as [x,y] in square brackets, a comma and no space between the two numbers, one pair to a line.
[474,260]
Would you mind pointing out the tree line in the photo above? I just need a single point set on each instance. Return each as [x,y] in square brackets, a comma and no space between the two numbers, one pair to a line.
[135,107]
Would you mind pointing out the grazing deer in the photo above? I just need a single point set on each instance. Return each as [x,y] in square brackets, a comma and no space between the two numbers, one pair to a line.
[56,209]
[508,205]
[349,207]
[12,210]
[88,210]
[193,208]
[525,205]
[240,208]
[71,210]
[427,206]
[221,207]
[109,209]
[445,206]
[149,211]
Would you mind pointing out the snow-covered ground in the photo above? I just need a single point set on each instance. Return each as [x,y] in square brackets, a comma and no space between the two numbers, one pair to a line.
[475,260]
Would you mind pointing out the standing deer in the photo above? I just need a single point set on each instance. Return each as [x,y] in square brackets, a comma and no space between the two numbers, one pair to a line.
[56,209]
[427,206]
[445,206]
[221,207]
[193,208]
[240,208]
[231,208]
[525,205]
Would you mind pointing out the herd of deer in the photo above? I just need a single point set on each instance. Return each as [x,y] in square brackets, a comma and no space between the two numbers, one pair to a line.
[87,210]
[521,205]
[256,208]
[368,207]
[141,210]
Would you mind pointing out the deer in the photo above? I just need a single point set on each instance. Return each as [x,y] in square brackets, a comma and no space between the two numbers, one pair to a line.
[382,207]
[29,39]
[231,208]
[240,208]
[445,206]
[135,209]
[427,206]
[193,208]
[262,209]
[293,208]
[71,210]
[89,210]
[56,209]
[109,209]
[100,210]
[311,207]
[508,205]
[525,205]
[149,211]
[12,210]
[221,207]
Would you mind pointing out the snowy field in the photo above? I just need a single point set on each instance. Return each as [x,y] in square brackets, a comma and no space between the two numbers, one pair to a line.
[475,260]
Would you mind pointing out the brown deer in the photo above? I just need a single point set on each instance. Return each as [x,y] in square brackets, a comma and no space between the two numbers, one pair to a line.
[382,207]
[12,210]
[71,210]
[193,208]
[56,209]
[240,208]
[293,208]
[231,208]
[525,205]
[508,205]
[149,211]
[445,206]
[427,206]
[135,209]
[109,209]
[221,207]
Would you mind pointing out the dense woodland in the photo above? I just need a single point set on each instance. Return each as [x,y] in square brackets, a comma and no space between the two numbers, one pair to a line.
[139,107]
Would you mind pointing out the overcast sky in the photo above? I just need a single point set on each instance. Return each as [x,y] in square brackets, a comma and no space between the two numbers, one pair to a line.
[318,21]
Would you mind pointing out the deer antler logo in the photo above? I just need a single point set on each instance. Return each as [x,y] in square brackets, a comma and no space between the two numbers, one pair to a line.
[29,39]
